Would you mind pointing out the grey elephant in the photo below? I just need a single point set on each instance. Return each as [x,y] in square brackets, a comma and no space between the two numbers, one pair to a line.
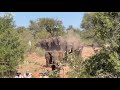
[75,48]
[49,44]
[43,44]
[53,57]
[48,57]
[62,43]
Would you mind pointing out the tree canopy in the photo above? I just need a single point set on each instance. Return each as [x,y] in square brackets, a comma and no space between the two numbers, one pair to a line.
[53,26]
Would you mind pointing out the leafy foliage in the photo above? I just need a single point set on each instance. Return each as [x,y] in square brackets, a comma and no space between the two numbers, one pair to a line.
[11,49]
[89,31]
[54,74]
[52,26]
[107,62]
[6,21]
[77,65]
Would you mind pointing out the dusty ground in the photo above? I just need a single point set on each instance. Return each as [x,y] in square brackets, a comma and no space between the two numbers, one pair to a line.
[87,52]
[36,64]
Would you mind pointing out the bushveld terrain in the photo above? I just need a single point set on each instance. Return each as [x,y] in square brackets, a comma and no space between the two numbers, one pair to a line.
[99,35]
[36,63]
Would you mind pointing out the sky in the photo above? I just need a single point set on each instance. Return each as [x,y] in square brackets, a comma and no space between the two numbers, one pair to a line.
[68,18]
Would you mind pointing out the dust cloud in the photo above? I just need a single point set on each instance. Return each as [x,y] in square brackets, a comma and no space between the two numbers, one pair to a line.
[72,37]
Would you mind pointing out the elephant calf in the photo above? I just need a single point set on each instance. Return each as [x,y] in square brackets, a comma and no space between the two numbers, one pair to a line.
[53,57]
[48,57]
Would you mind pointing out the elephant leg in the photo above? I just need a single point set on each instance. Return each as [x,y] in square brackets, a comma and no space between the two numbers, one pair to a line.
[47,57]
[47,62]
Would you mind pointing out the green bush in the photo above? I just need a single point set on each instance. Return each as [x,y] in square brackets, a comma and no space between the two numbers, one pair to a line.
[76,63]
[11,51]
[104,64]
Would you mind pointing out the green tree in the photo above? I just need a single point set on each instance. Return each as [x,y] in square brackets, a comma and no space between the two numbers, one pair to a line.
[12,51]
[76,30]
[25,36]
[107,62]
[21,29]
[87,21]
[107,26]
[6,21]
[89,31]
[50,25]
[70,27]
[102,26]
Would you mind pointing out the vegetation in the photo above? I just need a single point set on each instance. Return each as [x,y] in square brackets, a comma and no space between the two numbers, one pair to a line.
[47,26]
[102,28]
[11,48]
[106,27]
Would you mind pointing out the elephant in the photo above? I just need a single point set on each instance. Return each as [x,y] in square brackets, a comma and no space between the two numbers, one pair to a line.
[57,43]
[55,40]
[60,55]
[74,47]
[53,57]
[43,44]
[54,43]
[62,43]
[48,57]
[78,51]
[70,47]
[57,56]
[49,44]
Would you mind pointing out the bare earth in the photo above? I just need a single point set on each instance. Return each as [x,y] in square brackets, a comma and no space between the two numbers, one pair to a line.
[36,64]
[87,52]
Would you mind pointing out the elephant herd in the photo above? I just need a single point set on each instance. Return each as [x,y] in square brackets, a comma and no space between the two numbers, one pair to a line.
[56,47]
[58,43]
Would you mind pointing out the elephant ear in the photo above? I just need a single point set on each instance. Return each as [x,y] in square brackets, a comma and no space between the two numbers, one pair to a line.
[59,40]
[42,44]
[55,41]
[49,43]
